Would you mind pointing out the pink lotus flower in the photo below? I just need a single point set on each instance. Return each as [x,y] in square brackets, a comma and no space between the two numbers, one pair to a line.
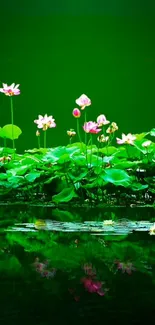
[101,120]
[76,112]
[125,267]
[83,101]
[126,139]
[45,122]
[93,286]
[10,90]
[91,127]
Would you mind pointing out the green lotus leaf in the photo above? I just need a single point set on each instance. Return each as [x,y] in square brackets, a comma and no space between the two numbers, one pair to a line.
[66,195]
[16,181]
[108,151]
[117,177]
[110,159]
[121,153]
[31,177]
[29,160]
[19,171]
[6,132]
[50,179]
[3,176]
[114,238]
[65,158]
[133,152]
[92,149]
[78,176]
[126,164]
[11,265]
[4,183]
[98,182]
[2,134]
[71,149]
[141,136]
[152,132]
[53,155]
[138,186]
[93,160]
[65,215]
[76,147]
[79,159]
[138,144]
[35,150]
[6,151]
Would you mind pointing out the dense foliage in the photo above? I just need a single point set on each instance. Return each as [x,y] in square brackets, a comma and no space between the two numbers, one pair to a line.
[99,169]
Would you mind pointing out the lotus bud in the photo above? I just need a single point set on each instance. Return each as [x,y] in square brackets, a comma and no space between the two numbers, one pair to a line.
[37,133]
[71,133]
[76,112]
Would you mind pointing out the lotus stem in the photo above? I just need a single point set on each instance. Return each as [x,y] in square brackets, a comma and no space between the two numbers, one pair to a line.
[12,122]
[85,117]
[109,142]
[91,141]
[107,149]
[44,139]
[98,148]
[78,131]
[111,139]
[147,154]
[38,142]
[4,145]
[127,150]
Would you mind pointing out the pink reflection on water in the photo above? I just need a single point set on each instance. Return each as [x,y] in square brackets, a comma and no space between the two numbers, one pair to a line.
[125,267]
[42,269]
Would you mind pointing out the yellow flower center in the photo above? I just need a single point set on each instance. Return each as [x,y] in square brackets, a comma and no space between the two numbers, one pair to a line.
[46,126]
[9,93]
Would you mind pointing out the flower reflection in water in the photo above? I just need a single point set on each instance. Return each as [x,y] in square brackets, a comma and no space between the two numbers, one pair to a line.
[42,269]
[126,267]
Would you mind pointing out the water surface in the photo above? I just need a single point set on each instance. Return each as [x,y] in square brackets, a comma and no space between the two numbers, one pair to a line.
[76,265]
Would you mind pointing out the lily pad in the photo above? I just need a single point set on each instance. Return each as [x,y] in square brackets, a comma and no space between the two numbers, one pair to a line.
[6,132]
[116,177]
[66,195]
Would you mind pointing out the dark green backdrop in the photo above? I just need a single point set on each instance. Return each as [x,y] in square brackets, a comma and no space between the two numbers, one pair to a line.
[59,51]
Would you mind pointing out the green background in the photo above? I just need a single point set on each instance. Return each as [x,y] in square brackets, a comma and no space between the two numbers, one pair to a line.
[57,51]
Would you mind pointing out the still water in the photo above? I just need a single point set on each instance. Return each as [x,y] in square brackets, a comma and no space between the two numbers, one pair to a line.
[74,266]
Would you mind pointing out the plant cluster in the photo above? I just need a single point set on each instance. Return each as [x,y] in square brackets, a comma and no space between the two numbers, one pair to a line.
[101,168]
